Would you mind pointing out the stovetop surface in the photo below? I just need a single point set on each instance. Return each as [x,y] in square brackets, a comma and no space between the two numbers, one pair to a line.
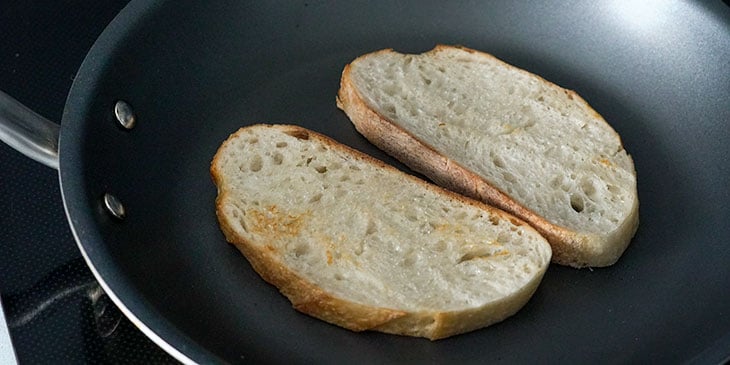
[55,310]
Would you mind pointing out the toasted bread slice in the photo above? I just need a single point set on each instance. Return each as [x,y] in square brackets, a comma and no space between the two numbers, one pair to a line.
[360,244]
[502,135]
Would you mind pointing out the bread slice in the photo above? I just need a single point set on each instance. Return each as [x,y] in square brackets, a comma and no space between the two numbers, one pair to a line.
[360,244]
[502,135]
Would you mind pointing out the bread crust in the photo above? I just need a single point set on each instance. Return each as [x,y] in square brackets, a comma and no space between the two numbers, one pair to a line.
[570,248]
[308,298]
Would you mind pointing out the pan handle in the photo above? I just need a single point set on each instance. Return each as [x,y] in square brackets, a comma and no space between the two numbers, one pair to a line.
[28,132]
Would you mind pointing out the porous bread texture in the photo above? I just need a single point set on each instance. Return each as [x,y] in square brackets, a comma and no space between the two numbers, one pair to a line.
[494,132]
[365,246]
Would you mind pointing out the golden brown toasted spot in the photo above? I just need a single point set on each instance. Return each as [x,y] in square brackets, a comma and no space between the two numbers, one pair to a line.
[493,219]
[440,227]
[501,252]
[271,221]
[605,161]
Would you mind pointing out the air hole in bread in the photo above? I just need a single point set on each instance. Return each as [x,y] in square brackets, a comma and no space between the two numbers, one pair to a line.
[235,211]
[504,237]
[371,228]
[409,260]
[509,177]
[496,160]
[413,110]
[278,158]
[556,182]
[588,188]
[391,89]
[315,198]
[281,144]
[298,134]
[253,140]
[460,108]
[359,249]
[242,221]
[390,109]
[576,202]
[440,246]
[321,169]
[238,215]
[301,249]
[256,163]
[473,254]
[339,277]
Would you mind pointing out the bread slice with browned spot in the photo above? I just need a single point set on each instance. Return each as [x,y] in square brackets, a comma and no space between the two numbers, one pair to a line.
[502,135]
[360,244]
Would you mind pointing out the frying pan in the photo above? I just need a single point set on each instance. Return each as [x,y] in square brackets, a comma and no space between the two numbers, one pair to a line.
[192,72]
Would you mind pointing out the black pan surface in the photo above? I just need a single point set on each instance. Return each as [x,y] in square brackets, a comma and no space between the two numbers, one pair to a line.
[195,71]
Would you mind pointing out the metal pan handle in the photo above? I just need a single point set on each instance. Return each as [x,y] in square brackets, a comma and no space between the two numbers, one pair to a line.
[28,132]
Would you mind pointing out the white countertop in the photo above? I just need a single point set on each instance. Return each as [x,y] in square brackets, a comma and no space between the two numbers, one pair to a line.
[7,353]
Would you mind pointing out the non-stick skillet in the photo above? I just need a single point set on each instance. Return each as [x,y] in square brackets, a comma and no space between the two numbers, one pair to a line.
[193,72]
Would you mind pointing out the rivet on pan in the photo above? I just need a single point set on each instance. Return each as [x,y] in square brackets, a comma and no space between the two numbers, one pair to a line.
[114,206]
[124,114]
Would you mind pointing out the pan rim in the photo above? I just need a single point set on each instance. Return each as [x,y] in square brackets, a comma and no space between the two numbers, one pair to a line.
[79,218]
